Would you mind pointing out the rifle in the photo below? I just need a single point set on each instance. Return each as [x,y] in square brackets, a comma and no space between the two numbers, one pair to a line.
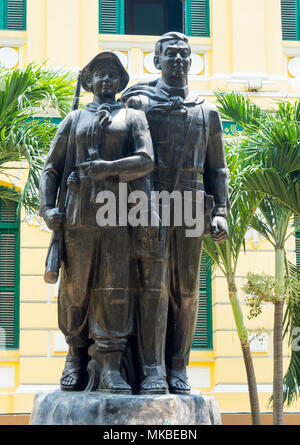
[53,260]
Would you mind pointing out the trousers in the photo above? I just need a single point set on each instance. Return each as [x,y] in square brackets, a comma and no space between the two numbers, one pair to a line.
[95,298]
[168,300]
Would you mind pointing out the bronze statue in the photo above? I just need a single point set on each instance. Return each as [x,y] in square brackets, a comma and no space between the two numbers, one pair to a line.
[105,143]
[128,295]
[189,155]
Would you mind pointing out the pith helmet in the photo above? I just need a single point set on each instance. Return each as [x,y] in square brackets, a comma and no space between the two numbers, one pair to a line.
[102,57]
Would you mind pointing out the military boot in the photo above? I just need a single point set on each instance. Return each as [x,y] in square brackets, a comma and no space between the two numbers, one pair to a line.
[111,380]
[74,376]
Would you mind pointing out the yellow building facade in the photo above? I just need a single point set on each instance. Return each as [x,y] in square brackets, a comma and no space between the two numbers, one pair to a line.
[242,48]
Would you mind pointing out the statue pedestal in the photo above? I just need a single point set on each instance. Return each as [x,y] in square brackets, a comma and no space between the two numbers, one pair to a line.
[95,408]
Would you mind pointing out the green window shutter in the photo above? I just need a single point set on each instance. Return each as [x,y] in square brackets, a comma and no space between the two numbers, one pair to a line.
[9,275]
[111,16]
[290,14]
[297,242]
[203,330]
[3,11]
[13,14]
[298,249]
[197,18]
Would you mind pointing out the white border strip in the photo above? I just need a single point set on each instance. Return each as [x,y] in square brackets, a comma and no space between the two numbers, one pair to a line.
[241,388]
[36,388]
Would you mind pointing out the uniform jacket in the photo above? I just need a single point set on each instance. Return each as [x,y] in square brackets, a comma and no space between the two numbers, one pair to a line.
[126,135]
[168,110]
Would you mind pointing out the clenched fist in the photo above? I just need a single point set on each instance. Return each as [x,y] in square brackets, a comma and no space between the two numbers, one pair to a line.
[219,229]
[53,218]
[96,170]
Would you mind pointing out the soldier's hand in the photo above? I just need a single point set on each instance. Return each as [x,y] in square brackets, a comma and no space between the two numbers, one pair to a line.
[219,229]
[53,218]
[96,170]
[73,182]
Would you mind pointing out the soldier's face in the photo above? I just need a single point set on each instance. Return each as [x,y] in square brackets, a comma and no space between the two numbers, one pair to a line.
[105,80]
[174,60]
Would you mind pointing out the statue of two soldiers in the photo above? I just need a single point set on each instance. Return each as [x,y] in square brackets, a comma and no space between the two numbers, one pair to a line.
[125,287]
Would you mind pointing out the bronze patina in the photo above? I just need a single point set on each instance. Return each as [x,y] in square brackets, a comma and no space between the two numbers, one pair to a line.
[108,143]
[128,296]
[189,155]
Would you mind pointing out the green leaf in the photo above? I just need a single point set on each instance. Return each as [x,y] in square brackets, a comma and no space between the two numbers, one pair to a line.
[24,140]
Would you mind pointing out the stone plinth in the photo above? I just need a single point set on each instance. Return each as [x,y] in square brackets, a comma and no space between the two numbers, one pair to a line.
[95,408]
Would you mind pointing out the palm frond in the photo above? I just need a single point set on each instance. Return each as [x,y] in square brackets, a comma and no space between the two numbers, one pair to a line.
[272,221]
[238,108]
[270,183]
[9,193]
[243,206]
[23,139]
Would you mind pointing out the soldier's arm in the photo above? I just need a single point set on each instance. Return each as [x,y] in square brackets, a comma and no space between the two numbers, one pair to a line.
[141,161]
[138,102]
[135,166]
[54,167]
[215,169]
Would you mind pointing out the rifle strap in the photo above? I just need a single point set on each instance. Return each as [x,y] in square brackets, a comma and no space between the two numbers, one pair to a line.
[190,120]
[70,154]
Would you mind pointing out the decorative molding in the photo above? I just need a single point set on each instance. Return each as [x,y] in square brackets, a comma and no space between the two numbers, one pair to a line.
[9,57]
[123,56]
[292,51]
[293,67]
[59,343]
[254,236]
[239,388]
[35,388]
[199,376]
[147,68]
[198,67]
[37,221]
[12,41]
[128,45]
[258,343]
[7,377]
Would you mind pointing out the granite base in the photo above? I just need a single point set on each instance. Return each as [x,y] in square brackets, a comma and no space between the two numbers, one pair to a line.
[96,408]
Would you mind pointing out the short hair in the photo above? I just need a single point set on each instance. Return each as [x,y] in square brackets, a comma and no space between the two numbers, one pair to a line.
[174,35]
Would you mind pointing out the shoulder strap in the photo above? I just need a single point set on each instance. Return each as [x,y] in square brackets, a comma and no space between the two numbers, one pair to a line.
[68,163]
[205,124]
[190,120]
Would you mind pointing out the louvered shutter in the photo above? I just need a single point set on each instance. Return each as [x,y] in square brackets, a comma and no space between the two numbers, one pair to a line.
[111,16]
[197,18]
[290,11]
[203,331]
[9,275]
[297,241]
[13,14]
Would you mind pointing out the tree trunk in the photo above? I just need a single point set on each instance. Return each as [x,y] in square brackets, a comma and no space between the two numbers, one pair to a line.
[253,395]
[277,340]
[243,336]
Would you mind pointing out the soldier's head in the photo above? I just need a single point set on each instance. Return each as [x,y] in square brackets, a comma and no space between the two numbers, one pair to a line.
[104,75]
[173,55]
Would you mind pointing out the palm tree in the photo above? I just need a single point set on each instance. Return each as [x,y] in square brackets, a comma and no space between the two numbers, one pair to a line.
[23,139]
[225,256]
[291,379]
[273,221]
[272,154]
